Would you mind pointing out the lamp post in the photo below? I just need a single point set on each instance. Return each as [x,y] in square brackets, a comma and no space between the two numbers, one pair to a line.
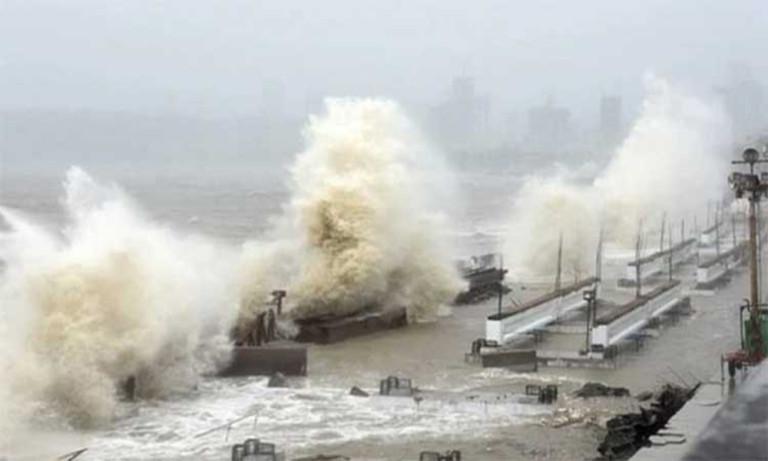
[590,296]
[277,299]
[753,188]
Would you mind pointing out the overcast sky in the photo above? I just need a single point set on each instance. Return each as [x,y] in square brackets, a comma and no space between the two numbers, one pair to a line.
[213,56]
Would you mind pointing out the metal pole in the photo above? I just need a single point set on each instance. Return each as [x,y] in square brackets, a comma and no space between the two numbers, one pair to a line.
[717,232]
[590,303]
[682,230]
[599,261]
[753,187]
[753,298]
[559,262]
[697,236]
[755,322]
[671,253]
[501,281]
[501,295]
[638,282]
[277,298]
[759,226]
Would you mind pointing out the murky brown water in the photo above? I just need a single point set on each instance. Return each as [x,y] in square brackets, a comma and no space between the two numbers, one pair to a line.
[317,415]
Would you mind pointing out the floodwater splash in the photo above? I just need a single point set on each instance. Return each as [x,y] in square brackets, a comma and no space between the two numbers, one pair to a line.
[111,296]
[674,160]
[545,211]
[359,231]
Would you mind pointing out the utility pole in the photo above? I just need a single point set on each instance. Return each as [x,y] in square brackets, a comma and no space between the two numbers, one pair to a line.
[599,258]
[753,187]
[696,226]
[682,230]
[717,230]
[638,272]
[559,262]
[697,236]
[590,296]
[671,253]
[592,310]
[501,281]
[277,299]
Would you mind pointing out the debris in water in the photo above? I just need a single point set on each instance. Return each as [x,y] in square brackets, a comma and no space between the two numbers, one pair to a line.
[629,432]
[394,386]
[589,390]
[356,391]
[277,380]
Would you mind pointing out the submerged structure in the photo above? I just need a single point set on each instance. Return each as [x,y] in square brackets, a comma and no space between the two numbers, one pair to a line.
[260,349]
[332,329]
[452,455]
[255,450]
[645,268]
[627,320]
[715,271]
[515,321]
[484,276]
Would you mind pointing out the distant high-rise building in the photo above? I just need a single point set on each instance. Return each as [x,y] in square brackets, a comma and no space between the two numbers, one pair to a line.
[461,121]
[611,124]
[745,100]
[463,88]
[549,128]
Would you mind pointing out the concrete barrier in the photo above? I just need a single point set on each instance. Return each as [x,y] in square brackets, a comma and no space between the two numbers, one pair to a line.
[617,325]
[287,358]
[683,252]
[536,313]
[656,263]
[523,360]
[394,386]
[709,235]
[331,330]
[712,272]
[650,266]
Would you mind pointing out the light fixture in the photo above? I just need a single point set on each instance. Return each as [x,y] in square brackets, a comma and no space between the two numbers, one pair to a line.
[751,155]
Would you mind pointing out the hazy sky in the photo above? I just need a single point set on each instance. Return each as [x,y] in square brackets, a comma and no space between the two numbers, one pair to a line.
[213,56]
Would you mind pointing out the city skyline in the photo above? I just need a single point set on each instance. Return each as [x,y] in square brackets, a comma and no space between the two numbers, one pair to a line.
[175,56]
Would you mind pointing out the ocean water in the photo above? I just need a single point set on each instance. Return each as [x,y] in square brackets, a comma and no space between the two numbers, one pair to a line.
[316,414]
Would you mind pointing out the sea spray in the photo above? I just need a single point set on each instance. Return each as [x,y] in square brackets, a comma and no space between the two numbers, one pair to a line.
[673,160]
[111,296]
[361,228]
[544,211]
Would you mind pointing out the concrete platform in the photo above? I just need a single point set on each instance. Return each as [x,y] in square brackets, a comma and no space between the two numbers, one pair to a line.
[287,358]
[723,421]
[739,429]
[685,426]
[332,330]
[574,359]
[516,360]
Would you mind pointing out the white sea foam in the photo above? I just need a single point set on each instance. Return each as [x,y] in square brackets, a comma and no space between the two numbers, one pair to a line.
[294,419]
[112,295]
[360,229]
[674,160]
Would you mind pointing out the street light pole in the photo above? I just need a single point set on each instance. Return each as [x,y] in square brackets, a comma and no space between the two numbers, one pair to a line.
[754,297]
[590,296]
[754,187]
